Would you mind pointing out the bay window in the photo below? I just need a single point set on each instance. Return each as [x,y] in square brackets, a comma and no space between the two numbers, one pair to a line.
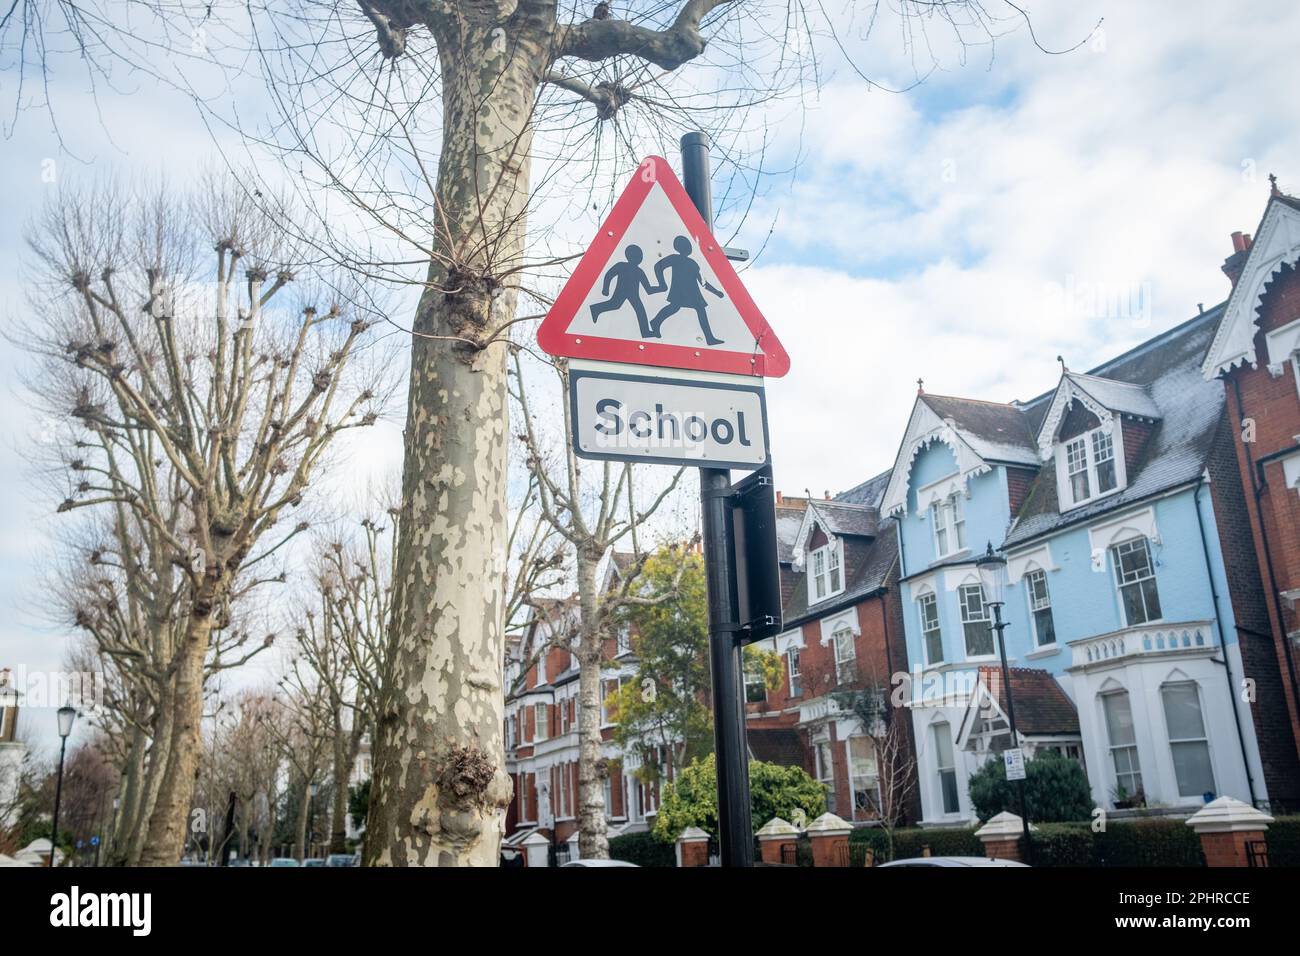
[864,777]
[946,767]
[1123,745]
[845,654]
[1187,739]
[542,718]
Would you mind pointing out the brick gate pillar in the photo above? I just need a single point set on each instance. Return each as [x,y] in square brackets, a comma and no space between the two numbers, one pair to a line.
[1229,831]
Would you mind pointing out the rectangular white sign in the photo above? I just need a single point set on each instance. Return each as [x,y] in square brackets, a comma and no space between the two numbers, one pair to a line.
[1014,760]
[668,420]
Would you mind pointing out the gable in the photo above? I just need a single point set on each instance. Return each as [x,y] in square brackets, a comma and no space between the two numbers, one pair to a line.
[1277,243]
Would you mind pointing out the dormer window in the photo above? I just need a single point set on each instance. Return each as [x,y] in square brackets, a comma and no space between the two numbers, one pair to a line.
[948,520]
[1090,467]
[827,579]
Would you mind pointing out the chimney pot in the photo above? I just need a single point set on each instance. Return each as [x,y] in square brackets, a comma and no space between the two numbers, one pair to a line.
[779,498]
[827,494]
[1238,242]
[1247,241]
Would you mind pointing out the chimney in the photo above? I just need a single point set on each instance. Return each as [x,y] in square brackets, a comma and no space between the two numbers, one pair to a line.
[826,495]
[779,497]
[1233,265]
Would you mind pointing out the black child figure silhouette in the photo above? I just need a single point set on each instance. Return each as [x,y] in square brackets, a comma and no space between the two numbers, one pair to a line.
[628,280]
[684,292]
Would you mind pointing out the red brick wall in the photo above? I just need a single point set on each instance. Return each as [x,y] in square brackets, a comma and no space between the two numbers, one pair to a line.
[1247,595]
[1019,481]
[1272,407]
[1135,435]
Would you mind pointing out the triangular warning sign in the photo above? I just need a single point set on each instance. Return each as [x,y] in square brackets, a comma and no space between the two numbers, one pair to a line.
[655,288]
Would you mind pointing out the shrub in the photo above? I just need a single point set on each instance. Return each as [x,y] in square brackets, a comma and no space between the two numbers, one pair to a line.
[1063,844]
[643,849]
[774,791]
[1056,789]
[1148,843]
[1283,838]
[911,842]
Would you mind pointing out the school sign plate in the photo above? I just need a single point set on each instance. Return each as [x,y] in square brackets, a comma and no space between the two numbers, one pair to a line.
[668,420]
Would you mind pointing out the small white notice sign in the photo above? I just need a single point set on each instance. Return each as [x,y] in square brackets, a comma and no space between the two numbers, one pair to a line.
[1014,760]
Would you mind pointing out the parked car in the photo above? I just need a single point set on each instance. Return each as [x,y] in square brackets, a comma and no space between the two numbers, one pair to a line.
[343,859]
[599,863]
[951,861]
[282,861]
[314,861]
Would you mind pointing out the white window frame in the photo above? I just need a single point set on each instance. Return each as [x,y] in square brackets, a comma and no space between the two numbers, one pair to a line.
[1111,747]
[541,728]
[933,600]
[793,675]
[1204,739]
[983,618]
[1112,433]
[1035,606]
[948,525]
[824,758]
[604,698]
[754,677]
[873,789]
[843,633]
[1120,583]
[826,571]
[936,728]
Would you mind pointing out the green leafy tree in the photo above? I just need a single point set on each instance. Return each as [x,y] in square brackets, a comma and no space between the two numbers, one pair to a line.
[1056,790]
[667,704]
[774,791]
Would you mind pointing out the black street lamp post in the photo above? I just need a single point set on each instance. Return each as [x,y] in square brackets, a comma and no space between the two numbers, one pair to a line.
[993,575]
[67,714]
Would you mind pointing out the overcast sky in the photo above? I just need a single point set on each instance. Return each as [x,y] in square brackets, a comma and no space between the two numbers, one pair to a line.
[965,233]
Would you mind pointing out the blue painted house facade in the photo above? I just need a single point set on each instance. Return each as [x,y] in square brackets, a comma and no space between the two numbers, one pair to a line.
[1114,498]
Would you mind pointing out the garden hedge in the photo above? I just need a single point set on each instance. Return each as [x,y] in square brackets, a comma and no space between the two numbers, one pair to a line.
[643,849]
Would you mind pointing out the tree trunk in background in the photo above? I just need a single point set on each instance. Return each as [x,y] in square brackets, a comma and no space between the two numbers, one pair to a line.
[344,755]
[593,844]
[129,802]
[440,787]
[300,847]
[170,819]
[156,769]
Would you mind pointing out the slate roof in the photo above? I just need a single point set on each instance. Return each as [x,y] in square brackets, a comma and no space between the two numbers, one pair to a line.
[1118,396]
[1188,408]
[867,569]
[995,431]
[788,523]
[1042,707]
[778,745]
[841,518]
[870,492]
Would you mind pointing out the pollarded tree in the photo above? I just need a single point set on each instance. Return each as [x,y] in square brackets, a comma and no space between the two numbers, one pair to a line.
[190,327]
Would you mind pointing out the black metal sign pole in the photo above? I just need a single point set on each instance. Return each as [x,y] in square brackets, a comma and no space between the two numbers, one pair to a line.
[735,832]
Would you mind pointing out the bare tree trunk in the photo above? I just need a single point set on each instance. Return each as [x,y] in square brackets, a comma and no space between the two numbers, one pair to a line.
[129,800]
[439,785]
[168,824]
[345,753]
[156,769]
[593,844]
[301,849]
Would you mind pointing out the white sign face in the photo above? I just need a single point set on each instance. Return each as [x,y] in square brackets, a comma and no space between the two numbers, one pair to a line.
[1014,760]
[656,286]
[687,421]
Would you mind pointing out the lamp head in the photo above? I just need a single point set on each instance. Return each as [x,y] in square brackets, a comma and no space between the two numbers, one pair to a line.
[993,574]
[67,714]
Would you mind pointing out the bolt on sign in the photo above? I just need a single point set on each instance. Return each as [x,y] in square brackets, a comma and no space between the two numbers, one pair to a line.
[655,288]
